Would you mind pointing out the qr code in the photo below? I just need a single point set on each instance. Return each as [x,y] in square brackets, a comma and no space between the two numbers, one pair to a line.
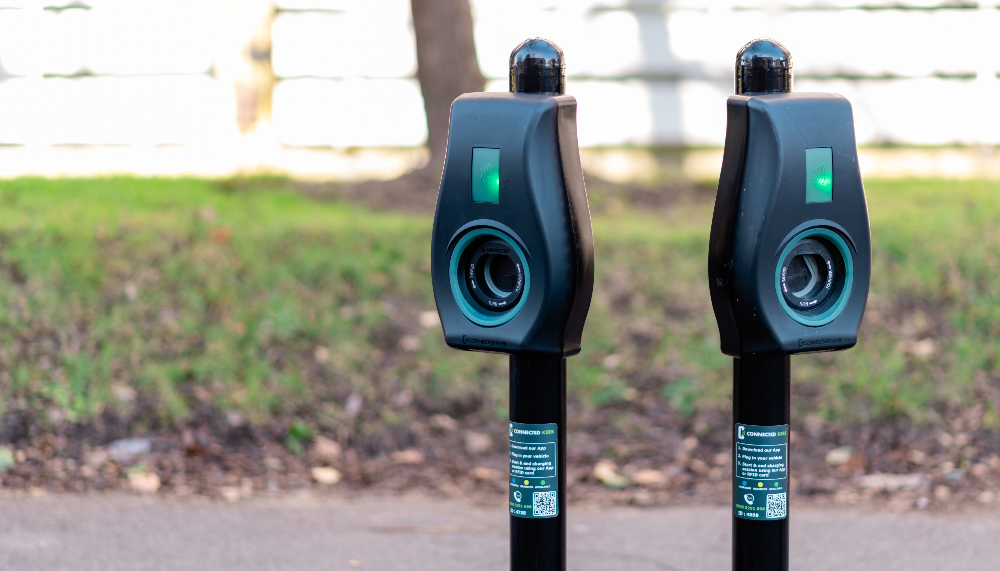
[776,506]
[543,504]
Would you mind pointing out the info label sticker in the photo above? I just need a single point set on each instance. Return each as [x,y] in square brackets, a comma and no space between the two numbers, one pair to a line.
[760,486]
[534,450]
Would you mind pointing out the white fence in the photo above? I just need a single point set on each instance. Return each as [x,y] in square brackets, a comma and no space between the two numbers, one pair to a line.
[658,72]
[145,72]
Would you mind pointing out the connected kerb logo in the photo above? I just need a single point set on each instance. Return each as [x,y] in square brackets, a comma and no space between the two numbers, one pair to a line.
[489,342]
[818,342]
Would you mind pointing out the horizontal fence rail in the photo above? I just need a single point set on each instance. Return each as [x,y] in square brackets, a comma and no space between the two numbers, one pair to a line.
[917,72]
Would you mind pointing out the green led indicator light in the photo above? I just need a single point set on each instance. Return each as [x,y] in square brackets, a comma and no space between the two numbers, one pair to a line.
[486,175]
[823,181]
[819,175]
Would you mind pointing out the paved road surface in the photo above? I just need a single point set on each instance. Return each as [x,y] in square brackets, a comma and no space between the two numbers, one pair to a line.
[114,532]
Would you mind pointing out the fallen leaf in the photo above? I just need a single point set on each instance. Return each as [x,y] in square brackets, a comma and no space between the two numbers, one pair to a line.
[444,423]
[839,456]
[698,467]
[96,458]
[429,319]
[649,478]
[325,475]
[230,493]
[408,456]
[220,234]
[409,343]
[891,482]
[484,473]
[325,449]
[476,443]
[124,393]
[321,354]
[922,349]
[607,473]
[144,482]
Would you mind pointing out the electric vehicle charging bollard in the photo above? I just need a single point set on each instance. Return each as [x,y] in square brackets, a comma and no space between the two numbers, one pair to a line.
[512,263]
[789,264]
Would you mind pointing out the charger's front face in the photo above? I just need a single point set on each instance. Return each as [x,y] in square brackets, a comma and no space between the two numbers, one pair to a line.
[490,277]
[790,254]
[512,252]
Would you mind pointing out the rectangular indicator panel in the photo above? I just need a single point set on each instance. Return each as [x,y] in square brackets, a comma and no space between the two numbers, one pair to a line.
[486,175]
[819,175]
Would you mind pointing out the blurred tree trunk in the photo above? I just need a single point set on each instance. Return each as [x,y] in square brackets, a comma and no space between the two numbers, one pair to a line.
[447,66]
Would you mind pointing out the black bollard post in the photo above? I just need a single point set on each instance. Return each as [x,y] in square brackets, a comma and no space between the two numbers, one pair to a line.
[789,264]
[512,261]
[538,399]
[761,395]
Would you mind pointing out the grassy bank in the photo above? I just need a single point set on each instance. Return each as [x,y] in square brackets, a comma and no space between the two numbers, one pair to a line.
[151,304]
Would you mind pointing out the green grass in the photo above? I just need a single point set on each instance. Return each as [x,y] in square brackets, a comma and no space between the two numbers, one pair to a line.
[154,299]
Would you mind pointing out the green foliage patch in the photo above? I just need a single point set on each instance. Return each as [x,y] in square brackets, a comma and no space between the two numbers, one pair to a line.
[151,299]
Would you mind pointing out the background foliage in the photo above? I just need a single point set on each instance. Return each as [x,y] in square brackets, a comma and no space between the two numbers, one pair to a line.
[154,302]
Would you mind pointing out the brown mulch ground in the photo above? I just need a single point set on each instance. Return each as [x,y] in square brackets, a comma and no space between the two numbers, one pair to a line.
[223,456]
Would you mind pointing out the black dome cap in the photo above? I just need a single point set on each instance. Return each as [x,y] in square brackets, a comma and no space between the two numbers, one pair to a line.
[537,66]
[763,66]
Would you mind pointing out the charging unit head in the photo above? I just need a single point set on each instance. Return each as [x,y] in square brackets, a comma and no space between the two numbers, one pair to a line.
[790,250]
[512,257]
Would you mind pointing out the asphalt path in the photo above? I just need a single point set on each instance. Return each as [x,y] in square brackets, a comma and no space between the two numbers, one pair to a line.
[304,533]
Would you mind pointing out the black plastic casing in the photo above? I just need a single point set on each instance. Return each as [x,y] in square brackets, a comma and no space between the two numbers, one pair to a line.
[543,206]
[760,207]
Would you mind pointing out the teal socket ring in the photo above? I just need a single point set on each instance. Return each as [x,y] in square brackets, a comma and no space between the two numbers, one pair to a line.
[474,306]
[814,275]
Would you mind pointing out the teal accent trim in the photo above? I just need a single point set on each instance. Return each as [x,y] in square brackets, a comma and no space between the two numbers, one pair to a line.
[838,307]
[467,309]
